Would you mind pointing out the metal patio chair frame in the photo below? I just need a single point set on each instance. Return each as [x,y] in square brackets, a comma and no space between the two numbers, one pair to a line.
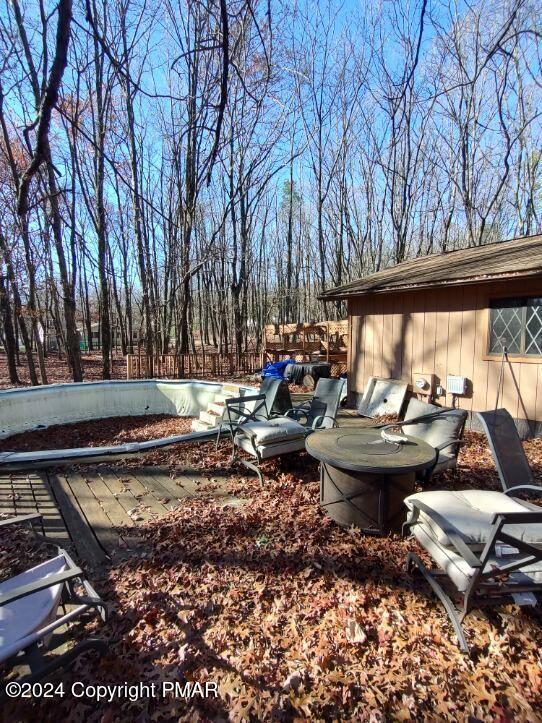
[510,460]
[454,444]
[487,587]
[304,410]
[34,652]
[237,413]
[313,422]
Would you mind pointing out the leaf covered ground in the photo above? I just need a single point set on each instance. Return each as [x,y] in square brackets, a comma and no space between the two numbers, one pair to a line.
[58,371]
[98,433]
[296,618]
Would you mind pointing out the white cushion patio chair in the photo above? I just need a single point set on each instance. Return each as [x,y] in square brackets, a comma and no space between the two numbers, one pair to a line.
[30,611]
[273,396]
[487,549]
[441,427]
[285,434]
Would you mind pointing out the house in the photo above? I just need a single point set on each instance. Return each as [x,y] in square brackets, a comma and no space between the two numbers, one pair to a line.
[440,322]
[95,328]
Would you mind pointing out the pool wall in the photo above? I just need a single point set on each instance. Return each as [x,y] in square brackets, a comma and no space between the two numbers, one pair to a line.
[30,408]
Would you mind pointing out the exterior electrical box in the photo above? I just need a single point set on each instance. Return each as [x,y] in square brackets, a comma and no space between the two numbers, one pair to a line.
[423,383]
[456,385]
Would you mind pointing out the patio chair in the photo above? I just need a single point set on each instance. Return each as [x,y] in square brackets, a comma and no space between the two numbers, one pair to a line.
[487,548]
[30,611]
[285,434]
[273,396]
[512,465]
[441,427]
[324,402]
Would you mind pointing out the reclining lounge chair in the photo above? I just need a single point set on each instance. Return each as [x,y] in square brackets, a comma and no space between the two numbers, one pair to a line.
[284,434]
[508,454]
[487,548]
[29,611]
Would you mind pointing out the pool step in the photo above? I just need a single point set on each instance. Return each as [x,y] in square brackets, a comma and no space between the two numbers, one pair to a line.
[216,408]
[199,426]
[221,397]
[232,389]
[209,418]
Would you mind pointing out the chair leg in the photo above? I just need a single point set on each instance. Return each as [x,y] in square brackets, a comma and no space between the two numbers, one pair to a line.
[41,667]
[252,467]
[455,618]
[233,453]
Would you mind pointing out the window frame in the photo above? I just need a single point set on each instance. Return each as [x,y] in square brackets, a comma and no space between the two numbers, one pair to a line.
[520,355]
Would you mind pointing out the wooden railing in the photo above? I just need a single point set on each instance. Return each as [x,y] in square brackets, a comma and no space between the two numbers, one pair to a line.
[190,366]
[330,338]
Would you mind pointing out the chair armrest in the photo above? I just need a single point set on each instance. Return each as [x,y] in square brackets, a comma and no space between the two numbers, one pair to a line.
[529,488]
[295,413]
[242,432]
[450,530]
[241,401]
[32,587]
[517,518]
[245,414]
[301,406]
[443,446]
[319,419]
[231,401]
[21,519]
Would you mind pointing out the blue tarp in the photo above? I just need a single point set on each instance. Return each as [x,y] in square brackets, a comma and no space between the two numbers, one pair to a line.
[276,369]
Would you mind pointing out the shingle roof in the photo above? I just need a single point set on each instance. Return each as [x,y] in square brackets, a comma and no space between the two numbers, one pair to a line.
[516,257]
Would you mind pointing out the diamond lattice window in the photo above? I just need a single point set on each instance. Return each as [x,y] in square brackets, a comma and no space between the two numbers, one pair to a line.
[517,325]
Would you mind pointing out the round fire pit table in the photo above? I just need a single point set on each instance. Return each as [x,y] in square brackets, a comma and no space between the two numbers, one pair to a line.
[364,479]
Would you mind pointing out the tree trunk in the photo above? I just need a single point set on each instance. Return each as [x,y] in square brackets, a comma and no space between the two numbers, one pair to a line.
[9,334]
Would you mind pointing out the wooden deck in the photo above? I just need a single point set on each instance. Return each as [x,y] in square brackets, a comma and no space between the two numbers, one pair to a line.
[95,511]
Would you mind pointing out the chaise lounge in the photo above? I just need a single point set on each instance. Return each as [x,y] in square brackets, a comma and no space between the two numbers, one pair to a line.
[30,611]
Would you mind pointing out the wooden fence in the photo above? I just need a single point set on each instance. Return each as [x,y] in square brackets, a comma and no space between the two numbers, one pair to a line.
[190,366]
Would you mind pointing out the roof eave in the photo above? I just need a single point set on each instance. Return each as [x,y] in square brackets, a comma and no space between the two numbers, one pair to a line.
[343,295]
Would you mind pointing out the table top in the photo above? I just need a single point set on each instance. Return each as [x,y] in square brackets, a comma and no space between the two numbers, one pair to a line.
[364,450]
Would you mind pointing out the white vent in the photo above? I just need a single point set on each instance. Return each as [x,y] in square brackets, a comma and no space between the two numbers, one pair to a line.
[456,385]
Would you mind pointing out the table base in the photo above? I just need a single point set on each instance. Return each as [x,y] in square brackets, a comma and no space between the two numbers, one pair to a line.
[372,502]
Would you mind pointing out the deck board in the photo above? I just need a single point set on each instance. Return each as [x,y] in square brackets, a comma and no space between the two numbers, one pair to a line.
[83,537]
[7,501]
[180,487]
[160,492]
[119,490]
[53,521]
[97,519]
[109,504]
[147,502]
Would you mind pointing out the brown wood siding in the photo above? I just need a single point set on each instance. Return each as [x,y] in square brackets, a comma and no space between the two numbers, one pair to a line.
[443,331]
